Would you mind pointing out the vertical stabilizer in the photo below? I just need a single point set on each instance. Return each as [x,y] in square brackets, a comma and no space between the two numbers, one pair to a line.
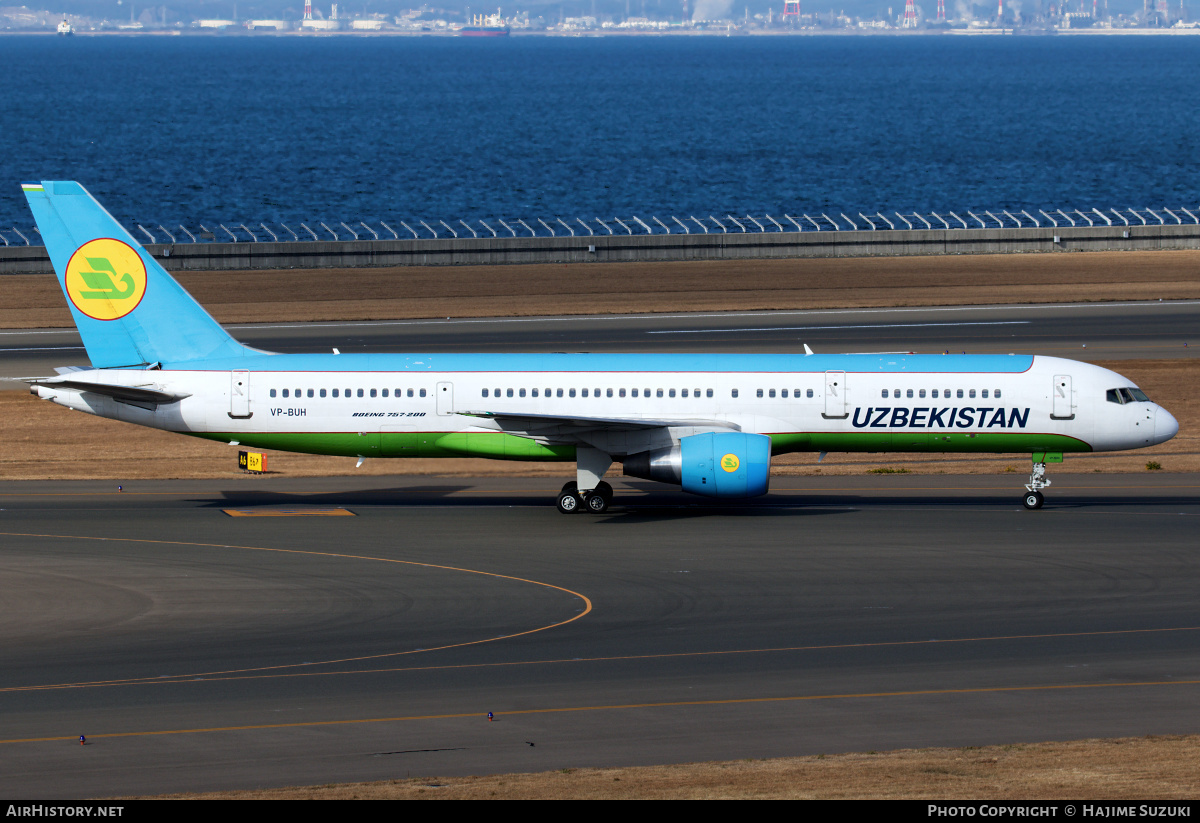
[129,311]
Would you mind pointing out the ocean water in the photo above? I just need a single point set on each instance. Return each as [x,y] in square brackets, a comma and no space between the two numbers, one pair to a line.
[199,129]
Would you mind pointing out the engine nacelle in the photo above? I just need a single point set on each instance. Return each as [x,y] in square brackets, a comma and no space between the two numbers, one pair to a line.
[714,464]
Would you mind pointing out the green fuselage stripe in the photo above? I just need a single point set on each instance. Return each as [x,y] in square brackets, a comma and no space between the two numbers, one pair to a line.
[503,446]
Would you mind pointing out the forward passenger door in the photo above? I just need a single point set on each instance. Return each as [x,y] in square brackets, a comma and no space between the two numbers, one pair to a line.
[835,396]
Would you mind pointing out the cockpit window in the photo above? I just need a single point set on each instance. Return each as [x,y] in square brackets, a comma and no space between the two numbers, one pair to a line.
[1114,396]
[1138,395]
[1126,396]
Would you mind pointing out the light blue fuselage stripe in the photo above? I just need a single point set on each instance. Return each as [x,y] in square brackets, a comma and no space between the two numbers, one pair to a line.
[493,362]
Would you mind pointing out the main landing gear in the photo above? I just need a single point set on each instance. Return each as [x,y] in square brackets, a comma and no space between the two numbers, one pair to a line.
[596,501]
[1033,489]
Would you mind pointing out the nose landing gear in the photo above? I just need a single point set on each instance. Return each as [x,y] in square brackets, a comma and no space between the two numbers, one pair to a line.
[1037,481]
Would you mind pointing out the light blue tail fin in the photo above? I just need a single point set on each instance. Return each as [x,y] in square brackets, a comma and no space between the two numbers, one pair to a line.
[128,309]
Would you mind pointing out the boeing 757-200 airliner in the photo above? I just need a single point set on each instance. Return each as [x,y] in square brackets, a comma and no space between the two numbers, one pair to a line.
[707,422]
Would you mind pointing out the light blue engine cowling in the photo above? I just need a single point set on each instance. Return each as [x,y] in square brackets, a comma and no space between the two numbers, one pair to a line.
[725,464]
[714,464]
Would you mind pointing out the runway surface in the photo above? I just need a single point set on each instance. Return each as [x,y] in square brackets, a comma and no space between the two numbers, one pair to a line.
[199,650]
[1084,331]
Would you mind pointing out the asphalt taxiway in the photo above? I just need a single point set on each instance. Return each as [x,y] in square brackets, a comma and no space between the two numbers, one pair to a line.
[266,632]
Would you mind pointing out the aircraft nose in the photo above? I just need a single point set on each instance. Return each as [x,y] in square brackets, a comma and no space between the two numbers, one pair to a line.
[1165,425]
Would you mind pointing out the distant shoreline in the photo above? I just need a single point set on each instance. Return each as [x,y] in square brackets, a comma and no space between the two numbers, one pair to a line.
[714,32]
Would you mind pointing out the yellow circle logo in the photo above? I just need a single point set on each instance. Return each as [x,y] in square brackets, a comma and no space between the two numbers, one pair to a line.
[106,279]
[730,463]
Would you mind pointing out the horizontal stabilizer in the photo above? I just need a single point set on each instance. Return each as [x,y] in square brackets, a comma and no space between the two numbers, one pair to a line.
[137,395]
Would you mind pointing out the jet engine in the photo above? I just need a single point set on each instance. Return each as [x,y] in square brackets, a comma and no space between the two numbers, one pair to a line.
[714,464]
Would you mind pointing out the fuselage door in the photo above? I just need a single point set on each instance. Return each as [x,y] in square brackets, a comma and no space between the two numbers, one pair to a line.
[239,394]
[445,398]
[1063,409]
[835,396]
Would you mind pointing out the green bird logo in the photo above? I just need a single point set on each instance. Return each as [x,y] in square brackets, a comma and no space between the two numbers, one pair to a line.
[103,283]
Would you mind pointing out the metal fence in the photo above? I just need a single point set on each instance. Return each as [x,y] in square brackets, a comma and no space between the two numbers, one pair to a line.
[596,227]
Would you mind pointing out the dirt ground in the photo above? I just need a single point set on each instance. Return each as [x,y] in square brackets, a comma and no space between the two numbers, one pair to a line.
[48,442]
[34,301]
[1159,768]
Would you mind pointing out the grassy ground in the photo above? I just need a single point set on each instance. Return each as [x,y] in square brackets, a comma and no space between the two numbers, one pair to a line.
[1159,768]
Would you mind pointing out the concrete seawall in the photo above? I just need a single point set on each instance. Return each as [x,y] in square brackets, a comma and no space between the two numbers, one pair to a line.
[637,248]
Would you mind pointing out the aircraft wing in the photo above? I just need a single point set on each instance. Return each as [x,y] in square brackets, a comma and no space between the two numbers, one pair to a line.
[534,423]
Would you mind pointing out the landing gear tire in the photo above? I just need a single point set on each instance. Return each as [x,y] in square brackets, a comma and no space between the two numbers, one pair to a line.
[597,502]
[568,499]
[605,490]
[1034,500]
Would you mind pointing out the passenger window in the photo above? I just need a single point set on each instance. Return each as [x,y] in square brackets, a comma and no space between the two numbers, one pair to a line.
[646,393]
[996,394]
[608,392]
[758,393]
[635,392]
[535,394]
[322,392]
[348,393]
[921,393]
[374,393]
[571,392]
[972,393]
[272,392]
[485,392]
[909,393]
[734,394]
[596,393]
[808,393]
[896,393]
[410,392]
[385,392]
[658,393]
[935,394]
[783,393]
[960,393]
[422,392]
[885,393]
[695,393]
[559,393]
[684,393]
[360,392]
[521,393]
[985,393]
[585,392]
[285,393]
[335,392]
[621,392]
[708,393]
[1113,396]
[508,392]
[771,392]
[671,392]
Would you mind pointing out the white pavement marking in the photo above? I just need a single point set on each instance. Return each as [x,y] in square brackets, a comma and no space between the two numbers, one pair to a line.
[850,327]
